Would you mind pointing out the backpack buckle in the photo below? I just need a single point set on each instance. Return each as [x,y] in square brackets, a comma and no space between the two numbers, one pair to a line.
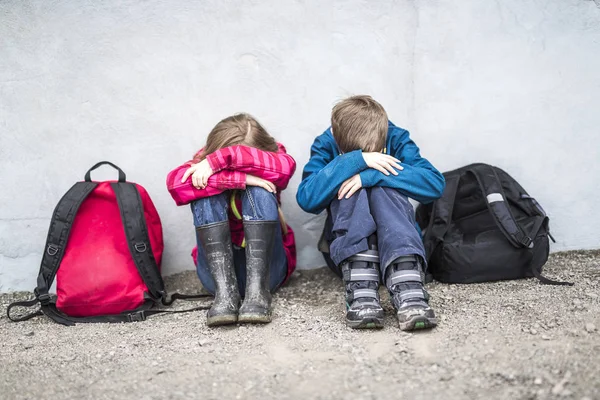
[527,242]
[137,316]
[140,247]
[52,249]
[44,299]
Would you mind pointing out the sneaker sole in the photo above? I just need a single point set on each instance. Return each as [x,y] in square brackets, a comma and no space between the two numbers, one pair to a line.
[254,319]
[219,320]
[418,322]
[366,323]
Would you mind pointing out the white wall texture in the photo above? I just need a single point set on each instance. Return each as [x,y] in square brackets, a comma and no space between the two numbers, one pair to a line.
[515,83]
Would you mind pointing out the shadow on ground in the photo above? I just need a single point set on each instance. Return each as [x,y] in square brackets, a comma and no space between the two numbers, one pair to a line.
[506,340]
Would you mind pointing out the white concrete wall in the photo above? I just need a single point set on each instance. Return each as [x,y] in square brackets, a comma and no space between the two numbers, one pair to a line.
[515,83]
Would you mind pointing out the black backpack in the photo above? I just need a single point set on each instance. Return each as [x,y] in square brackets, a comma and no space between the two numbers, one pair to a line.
[485,227]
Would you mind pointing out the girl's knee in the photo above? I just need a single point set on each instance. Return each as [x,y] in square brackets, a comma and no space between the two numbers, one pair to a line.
[260,205]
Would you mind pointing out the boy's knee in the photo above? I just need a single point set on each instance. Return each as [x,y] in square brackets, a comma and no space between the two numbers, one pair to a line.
[388,191]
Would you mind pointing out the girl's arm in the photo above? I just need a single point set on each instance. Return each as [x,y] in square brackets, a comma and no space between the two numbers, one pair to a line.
[273,167]
[185,193]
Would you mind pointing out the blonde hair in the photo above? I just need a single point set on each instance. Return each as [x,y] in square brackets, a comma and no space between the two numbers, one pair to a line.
[241,129]
[359,123]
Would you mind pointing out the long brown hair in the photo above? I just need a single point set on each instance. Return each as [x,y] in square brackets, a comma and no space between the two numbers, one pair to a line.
[241,129]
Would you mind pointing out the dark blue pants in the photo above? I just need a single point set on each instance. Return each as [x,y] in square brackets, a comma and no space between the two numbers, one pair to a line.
[380,210]
[257,205]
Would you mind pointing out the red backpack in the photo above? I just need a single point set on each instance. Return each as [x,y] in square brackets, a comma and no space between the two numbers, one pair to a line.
[104,247]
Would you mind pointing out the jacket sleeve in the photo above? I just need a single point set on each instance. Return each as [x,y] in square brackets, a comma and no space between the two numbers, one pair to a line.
[277,168]
[185,193]
[418,180]
[324,174]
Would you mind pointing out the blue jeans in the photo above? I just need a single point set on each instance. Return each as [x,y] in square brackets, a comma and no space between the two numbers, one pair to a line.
[380,210]
[257,205]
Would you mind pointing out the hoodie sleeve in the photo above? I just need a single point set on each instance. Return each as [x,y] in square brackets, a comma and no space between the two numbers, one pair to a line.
[418,180]
[185,193]
[277,168]
[324,174]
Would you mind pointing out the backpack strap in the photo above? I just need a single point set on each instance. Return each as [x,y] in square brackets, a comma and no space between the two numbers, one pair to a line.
[58,235]
[138,240]
[441,217]
[54,250]
[491,187]
[137,315]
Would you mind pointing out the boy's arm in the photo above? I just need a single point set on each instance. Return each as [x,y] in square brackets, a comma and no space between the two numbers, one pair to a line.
[324,174]
[277,168]
[418,180]
[185,193]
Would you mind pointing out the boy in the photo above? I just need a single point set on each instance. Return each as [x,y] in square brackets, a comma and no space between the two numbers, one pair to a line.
[363,170]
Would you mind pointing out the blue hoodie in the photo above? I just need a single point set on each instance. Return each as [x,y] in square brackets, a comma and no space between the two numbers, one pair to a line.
[327,169]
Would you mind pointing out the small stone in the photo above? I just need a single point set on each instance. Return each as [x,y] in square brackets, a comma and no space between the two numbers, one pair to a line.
[533,332]
[154,363]
[577,302]
[537,381]
[98,355]
[593,296]
[30,333]
[589,327]
[546,337]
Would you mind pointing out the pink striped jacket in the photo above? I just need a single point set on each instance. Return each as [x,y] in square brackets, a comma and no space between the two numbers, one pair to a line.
[230,166]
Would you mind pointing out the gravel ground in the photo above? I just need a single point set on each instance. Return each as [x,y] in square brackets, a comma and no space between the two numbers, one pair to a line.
[506,340]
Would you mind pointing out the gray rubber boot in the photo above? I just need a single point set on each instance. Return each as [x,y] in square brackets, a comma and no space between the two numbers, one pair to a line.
[216,242]
[260,236]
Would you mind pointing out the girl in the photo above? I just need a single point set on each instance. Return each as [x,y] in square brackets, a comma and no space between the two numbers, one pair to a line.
[245,249]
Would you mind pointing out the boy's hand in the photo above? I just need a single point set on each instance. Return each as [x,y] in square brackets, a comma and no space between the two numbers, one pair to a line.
[200,173]
[349,187]
[252,180]
[382,162]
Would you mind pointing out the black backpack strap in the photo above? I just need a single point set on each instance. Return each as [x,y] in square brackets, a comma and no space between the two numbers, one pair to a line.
[491,188]
[139,314]
[58,235]
[136,231]
[54,250]
[138,239]
[441,216]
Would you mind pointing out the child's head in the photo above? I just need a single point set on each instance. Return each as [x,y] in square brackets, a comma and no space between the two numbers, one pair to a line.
[359,123]
[238,129]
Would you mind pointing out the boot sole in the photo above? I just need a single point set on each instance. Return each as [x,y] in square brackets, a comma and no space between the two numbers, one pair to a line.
[418,322]
[219,320]
[366,323]
[254,318]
